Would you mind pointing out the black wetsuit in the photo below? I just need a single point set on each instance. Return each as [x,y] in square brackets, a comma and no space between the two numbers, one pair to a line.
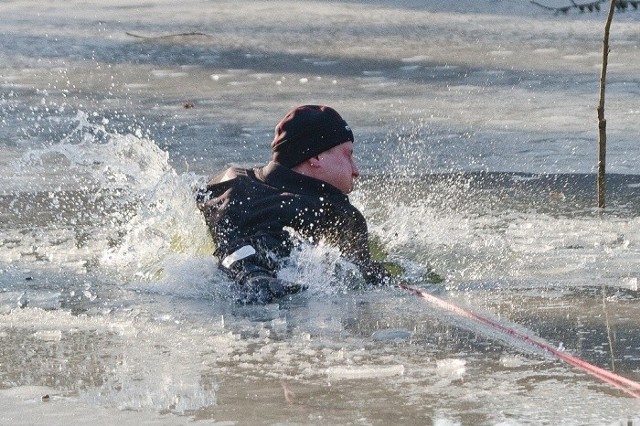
[252,207]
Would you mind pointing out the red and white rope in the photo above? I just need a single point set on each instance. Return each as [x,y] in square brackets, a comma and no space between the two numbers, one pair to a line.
[629,386]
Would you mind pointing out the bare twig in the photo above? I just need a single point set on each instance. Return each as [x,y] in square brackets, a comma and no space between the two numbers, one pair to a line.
[602,123]
[593,6]
[289,396]
[557,10]
[167,36]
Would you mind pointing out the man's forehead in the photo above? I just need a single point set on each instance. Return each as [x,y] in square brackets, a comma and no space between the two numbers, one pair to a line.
[343,148]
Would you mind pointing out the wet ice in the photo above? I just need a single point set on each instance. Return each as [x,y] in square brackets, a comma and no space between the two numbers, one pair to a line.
[125,309]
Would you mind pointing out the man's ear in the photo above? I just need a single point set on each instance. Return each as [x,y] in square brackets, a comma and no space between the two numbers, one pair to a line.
[314,161]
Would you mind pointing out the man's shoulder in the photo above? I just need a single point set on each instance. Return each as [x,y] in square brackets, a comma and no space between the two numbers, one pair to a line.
[240,182]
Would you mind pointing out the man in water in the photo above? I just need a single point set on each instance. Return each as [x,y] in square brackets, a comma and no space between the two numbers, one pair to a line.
[303,188]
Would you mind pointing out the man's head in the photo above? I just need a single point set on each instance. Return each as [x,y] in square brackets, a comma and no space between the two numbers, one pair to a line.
[315,141]
[307,131]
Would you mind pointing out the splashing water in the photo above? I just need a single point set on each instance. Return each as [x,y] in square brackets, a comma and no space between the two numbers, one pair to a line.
[321,268]
[109,201]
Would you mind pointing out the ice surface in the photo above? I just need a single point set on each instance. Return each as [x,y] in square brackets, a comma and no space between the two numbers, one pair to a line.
[475,133]
[364,372]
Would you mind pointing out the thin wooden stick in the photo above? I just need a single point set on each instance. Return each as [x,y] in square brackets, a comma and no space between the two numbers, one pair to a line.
[167,35]
[602,122]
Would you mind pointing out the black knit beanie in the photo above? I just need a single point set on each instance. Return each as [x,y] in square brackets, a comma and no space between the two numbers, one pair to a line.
[307,131]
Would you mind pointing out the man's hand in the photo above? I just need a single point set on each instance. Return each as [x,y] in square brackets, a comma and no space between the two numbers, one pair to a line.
[262,289]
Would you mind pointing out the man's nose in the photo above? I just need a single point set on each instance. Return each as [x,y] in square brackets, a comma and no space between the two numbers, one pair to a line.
[354,170]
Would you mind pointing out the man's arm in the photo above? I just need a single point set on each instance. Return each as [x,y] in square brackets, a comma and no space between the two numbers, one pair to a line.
[347,228]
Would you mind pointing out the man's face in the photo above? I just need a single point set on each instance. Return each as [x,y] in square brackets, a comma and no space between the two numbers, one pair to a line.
[337,167]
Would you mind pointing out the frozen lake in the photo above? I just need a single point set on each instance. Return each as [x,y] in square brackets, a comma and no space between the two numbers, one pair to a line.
[476,135]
